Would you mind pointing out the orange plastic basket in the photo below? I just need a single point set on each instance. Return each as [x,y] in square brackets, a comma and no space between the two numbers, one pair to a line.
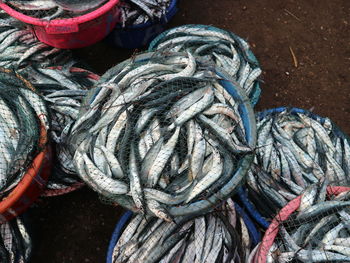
[31,185]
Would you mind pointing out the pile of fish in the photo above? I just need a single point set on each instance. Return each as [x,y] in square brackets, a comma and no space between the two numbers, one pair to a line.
[63,89]
[19,47]
[22,114]
[54,9]
[223,48]
[162,135]
[15,242]
[220,236]
[317,232]
[294,150]
[135,12]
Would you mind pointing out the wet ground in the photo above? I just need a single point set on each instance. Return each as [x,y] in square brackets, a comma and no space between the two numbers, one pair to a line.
[77,227]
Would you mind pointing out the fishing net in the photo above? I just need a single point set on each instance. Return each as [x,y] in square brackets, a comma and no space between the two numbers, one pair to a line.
[314,227]
[295,149]
[63,89]
[223,48]
[22,114]
[219,236]
[15,242]
[54,9]
[19,47]
[135,12]
[164,135]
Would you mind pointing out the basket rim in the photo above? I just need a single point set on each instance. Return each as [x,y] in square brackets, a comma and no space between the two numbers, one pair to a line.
[283,215]
[59,22]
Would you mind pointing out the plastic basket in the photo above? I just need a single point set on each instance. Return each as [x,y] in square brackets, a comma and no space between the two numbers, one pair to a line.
[34,180]
[256,92]
[123,221]
[141,35]
[75,32]
[243,196]
[283,215]
[31,186]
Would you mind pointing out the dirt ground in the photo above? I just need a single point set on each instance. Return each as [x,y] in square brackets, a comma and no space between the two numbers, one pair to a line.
[77,227]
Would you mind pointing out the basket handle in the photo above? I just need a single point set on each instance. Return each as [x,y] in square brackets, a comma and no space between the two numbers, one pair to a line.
[61,29]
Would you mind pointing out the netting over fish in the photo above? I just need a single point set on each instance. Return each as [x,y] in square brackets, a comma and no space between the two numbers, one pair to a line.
[15,242]
[219,236]
[63,89]
[223,48]
[22,114]
[164,134]
[295,149]
[55,9]
[20,47]
[314,227]
[135,12]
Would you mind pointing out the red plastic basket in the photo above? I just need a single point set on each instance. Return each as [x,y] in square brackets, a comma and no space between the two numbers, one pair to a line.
[31,185]
[283,215]
[75,32]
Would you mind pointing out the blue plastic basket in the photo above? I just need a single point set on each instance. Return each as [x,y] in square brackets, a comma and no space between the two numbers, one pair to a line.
[141,35]
[256,92]
[254,233]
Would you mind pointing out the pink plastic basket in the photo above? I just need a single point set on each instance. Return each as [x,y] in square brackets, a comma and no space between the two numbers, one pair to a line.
[75,32]
[283,215]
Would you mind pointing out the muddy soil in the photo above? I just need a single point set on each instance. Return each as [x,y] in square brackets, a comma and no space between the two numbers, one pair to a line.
[77,227]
